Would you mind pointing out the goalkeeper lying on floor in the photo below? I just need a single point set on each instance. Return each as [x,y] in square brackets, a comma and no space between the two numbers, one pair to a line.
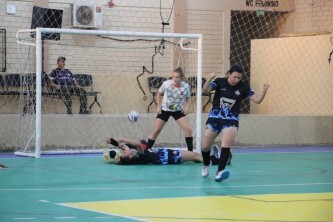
[135,152]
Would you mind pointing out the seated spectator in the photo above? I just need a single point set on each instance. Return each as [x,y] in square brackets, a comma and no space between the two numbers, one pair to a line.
[63,81]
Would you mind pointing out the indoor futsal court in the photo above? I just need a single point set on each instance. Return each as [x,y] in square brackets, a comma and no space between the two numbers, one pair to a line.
[80,76]
[266,184]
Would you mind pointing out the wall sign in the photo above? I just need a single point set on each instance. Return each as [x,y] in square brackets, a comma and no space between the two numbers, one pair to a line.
[261,3]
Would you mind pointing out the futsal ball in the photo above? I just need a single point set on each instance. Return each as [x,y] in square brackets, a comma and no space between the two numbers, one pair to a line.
[133,116]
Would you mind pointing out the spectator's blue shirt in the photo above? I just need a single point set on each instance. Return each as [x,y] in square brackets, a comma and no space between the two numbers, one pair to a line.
[62,77]
[227,99]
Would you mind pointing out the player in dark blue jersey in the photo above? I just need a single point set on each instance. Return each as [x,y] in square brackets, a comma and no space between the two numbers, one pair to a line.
[136,152]
[223,118]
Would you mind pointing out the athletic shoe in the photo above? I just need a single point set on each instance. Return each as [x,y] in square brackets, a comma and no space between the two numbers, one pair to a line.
[2,167]
[106,155]
[214,155]
[205,171]
[222,175]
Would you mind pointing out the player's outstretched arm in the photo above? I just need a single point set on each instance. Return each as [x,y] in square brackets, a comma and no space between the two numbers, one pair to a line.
[135,143]
[159,97]
[258,98]
[112,142]
[206,88]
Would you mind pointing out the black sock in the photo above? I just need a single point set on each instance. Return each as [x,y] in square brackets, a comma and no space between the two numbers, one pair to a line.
[189,143]
[206,157]
[150,143]
[225,154]
[114,142]
[214,160]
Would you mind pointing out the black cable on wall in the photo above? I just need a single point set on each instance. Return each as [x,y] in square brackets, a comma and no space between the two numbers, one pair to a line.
[3,49]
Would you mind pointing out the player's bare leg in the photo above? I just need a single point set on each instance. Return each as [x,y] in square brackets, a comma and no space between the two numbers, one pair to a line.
[191,156]
[207,141]
[186,127]
[158,126]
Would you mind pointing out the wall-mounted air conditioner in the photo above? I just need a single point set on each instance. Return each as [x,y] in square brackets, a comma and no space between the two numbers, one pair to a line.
[87,16]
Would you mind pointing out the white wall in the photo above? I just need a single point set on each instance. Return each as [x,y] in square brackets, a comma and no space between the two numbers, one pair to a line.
[299,73]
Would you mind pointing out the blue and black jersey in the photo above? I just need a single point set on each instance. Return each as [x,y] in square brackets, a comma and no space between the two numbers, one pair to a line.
[227,99]
[159,156]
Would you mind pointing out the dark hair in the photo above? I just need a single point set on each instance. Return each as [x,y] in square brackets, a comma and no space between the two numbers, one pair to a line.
[61,58]
[181,73]
[134,160]
[236,68]
[128,161]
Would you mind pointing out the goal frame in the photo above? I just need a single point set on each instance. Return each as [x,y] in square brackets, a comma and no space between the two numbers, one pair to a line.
[38,44]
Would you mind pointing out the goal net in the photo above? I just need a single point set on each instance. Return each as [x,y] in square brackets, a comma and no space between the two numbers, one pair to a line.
[277,45]
[120,72]
[298,68]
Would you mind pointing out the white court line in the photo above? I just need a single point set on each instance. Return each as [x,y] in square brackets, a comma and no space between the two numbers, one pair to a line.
[148,188]
[64,218]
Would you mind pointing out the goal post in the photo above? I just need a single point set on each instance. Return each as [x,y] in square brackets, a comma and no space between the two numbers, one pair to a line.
[192,64]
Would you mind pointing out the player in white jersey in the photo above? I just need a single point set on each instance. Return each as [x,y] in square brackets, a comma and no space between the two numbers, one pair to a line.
[175,103]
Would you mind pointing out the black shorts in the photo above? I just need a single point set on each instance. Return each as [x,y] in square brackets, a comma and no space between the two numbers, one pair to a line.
[166,114]
[217,125]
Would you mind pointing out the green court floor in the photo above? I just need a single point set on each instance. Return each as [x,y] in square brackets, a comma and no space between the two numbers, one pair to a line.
[272,186]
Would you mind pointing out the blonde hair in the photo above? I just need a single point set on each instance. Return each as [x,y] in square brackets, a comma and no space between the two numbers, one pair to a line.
[180,71]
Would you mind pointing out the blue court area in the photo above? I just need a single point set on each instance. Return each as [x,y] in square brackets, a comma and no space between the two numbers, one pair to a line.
[266,184]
